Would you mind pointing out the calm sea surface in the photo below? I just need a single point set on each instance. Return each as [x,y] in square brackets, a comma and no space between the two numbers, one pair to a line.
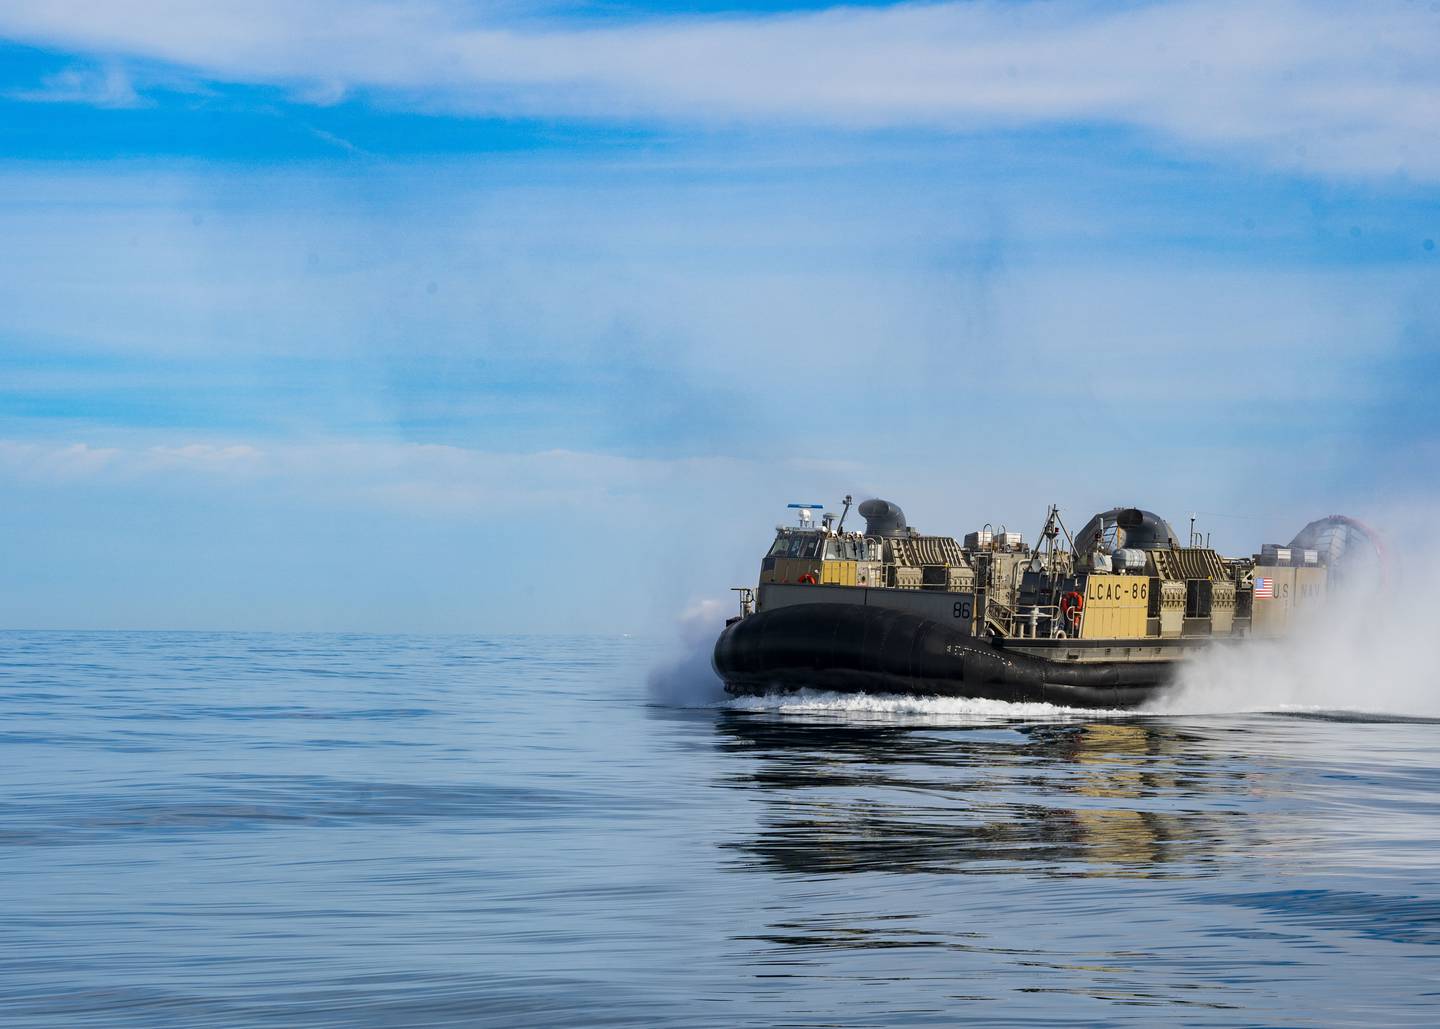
[247,830]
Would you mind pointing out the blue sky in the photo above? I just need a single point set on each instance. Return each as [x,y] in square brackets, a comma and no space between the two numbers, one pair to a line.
[509,317]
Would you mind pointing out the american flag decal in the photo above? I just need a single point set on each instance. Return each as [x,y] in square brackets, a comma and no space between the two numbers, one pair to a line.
[1264,588]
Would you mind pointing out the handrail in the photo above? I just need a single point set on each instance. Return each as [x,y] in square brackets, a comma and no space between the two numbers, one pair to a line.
[1023,615]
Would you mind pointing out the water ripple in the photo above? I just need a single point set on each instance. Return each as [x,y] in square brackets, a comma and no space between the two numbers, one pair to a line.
[314,830]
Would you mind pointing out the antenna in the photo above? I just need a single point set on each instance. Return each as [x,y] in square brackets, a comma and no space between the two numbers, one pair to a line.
[807,520]
[841,526]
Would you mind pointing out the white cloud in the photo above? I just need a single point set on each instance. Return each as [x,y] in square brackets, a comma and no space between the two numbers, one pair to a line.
[1328,86]
[54,462]
[421,479]
[98,87]
[766,317]
[205,456]
[668,497]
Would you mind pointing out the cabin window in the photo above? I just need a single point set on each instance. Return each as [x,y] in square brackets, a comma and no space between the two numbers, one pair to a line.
[795,546]
[841,550]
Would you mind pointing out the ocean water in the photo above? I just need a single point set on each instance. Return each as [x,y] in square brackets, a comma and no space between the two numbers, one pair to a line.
[330,830]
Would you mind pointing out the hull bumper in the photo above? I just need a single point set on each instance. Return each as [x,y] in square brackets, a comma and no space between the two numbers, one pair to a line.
[852,648]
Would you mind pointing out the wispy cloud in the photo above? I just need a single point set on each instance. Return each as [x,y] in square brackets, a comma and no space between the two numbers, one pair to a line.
[1319,85]
[659,318]
[54,462]
[414,478]
[98,87]
[336,141]
[350,533]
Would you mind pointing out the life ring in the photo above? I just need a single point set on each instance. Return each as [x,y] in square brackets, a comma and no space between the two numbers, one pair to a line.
[1071,604]
[807,578]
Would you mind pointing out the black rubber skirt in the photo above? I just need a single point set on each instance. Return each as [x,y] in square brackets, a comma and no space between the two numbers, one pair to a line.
[853,649]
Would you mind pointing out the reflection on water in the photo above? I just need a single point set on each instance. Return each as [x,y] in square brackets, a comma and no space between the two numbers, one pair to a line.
[1213,871]
[1131,798]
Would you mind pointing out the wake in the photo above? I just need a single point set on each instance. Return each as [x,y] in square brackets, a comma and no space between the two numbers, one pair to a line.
[888,705]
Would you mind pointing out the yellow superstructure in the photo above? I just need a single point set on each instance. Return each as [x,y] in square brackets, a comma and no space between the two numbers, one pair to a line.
[839,573]
[791,569]
[796,569]
[1115,607]
[1124,577]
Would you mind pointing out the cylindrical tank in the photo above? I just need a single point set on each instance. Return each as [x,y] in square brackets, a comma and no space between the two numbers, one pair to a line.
[1128,559]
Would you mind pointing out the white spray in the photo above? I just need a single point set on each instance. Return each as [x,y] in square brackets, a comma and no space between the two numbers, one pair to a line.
[1371,650]
[687,680]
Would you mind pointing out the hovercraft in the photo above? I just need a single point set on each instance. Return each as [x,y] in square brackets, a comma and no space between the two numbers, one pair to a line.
[1099,618]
